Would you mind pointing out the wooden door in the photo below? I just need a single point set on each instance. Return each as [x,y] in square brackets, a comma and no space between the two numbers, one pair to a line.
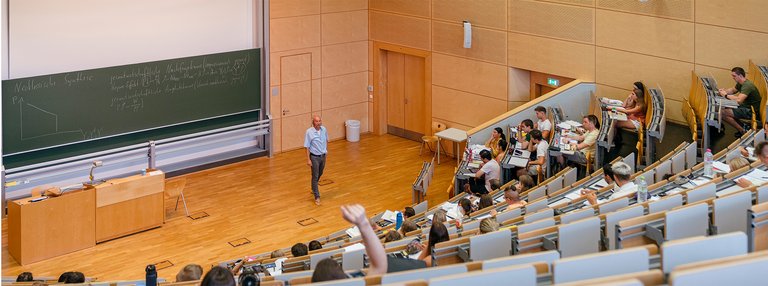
[295,99]
[405,95]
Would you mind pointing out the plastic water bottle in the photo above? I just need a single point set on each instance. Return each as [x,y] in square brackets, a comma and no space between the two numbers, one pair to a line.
[399,221]
[642,189]
[151,279]
[708,157]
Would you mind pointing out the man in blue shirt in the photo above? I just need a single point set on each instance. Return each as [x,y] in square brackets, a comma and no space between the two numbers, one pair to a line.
[316,142]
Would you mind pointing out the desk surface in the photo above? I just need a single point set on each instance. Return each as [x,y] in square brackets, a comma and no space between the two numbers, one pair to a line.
[453,134]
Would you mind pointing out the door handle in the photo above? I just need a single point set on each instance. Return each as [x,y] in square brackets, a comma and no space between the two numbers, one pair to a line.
[285,111]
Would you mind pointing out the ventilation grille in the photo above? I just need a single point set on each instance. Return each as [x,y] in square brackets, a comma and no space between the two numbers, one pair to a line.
[553,20]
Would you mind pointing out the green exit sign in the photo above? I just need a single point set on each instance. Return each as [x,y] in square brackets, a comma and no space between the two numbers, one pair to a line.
[553,82]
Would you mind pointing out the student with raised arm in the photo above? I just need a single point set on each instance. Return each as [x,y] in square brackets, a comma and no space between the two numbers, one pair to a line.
[746,95]
[328,269]
[542,122]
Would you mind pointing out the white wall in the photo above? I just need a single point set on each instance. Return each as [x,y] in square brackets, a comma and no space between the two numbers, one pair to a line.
[53,36]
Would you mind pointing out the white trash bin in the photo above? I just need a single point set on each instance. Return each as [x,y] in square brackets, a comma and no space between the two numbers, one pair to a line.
[353,130]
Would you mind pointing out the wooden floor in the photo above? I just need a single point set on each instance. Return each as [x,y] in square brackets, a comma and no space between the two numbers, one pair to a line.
[260,200]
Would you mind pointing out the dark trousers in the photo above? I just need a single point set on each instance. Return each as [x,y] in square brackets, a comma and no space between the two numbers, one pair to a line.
[318,165]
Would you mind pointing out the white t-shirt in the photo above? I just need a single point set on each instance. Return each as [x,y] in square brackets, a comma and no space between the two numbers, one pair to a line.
[541,151]
[626,189]
[491,171]
[544,125]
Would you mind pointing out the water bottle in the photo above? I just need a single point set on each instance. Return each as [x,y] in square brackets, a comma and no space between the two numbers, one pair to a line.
[399,221]
[708,171]
[151,279]
[642,189]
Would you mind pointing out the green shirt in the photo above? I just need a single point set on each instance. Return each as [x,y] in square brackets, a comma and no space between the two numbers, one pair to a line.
[753,96]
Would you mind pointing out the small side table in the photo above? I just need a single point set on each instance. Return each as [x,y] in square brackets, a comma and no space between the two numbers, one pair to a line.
[451,134]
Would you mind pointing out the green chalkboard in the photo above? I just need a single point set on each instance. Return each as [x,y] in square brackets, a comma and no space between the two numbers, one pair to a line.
[136,102]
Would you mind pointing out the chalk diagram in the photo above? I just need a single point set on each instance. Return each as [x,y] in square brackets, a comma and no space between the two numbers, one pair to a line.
[47,123]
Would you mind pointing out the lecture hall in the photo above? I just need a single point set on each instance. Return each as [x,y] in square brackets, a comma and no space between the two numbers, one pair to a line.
[384,142]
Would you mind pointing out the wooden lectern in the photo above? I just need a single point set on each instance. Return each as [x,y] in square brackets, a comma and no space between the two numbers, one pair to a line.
[81,218]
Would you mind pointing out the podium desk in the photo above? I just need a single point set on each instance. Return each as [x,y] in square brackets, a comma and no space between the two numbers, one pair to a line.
[129,205]
[52,227]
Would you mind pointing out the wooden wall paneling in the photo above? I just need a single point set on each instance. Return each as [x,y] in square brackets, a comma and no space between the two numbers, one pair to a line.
[275,70]
[401,30]
[344,27]
[275,106]
[290,8]
[465,108]
[620,69]
[344,89]
[412,7]
[344,58]
[744,14]
[645,34]
[552,20]
[538,79]
[395,89]
[589,3]
[514,104]
[317,96]
[294,33]
[519,91]
[488,13]
[296,68]
[277,136]
[330,6]
[611,92]
[296,98]
[469,75]
[335,118]
[574,60]
[487,44]
[293,129]
[674,111]
[726,47]
[679,9]
[415,95]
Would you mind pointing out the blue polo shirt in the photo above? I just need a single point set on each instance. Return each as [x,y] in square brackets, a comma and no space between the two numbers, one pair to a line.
[316,140]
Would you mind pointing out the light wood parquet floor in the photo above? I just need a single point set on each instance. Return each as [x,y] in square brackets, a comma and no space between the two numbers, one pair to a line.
[261,200]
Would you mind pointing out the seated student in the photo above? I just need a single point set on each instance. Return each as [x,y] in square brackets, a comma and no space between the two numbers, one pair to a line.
[488,224]
[502,149]
[512,197]
[621,176]
[25,277]
[497,135]
[315,245]
[392,236]
[439,217]
[542,147]
[524,183]
[218,276]
[463,211]
[542,122]
[608,175]
[277,253]
[408,226]
[409,212]
[746,95]
[634,107]
[737,163]
[485,201]
[299,249]
[523,135]
[437,234]
[586,141]
[760,136]
[191,272]
[489,170]
[328,269]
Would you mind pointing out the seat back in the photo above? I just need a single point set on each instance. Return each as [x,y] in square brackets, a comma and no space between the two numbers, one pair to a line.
[426,273]
[678,163]
[539,215]
[742,272]
[547,222]
[612,219]
[515,275]
[696,249]
[701,193]
[342,282]
[600,265]
[730,212]
[580,237]
[353,260]
[690,155]
[507,215]
[688,221]
[665,204]
[315,258]
[420,207]
[577,215]
[544,256]
[535,206]
[613,205]
[490,245]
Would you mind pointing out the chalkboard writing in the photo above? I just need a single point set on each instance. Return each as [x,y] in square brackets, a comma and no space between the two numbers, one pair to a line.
[59,109]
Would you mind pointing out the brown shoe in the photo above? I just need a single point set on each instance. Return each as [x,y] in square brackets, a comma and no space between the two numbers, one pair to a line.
[317,201]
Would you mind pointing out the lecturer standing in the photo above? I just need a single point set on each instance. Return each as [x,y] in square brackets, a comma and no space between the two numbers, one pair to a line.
[316,142]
